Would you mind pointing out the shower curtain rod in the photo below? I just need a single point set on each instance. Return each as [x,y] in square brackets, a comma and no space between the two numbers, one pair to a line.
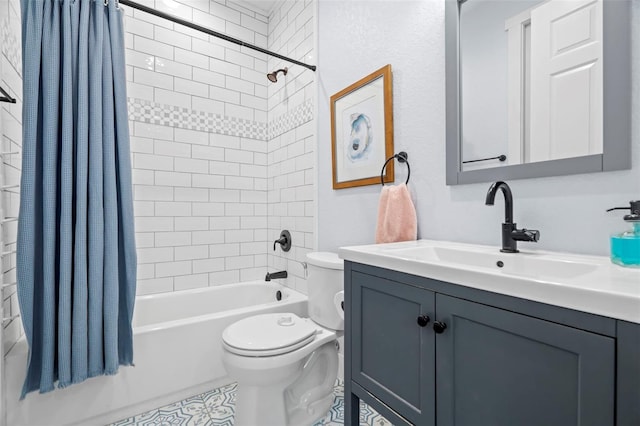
[205,30]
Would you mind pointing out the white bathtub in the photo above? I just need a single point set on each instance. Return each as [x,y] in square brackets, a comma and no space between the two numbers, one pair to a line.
[177,353]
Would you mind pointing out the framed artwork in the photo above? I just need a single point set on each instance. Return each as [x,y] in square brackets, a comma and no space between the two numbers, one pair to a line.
[362,131]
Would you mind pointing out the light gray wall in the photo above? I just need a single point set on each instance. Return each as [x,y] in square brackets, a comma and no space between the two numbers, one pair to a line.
[358,37]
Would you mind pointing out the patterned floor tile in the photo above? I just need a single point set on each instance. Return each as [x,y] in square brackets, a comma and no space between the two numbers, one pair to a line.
[369,417]
[220,403]
[216,408]
[335,417]
[190,412]
[137,420]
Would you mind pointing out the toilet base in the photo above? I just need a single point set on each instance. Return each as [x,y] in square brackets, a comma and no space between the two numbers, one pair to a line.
[257,405]
[294,395]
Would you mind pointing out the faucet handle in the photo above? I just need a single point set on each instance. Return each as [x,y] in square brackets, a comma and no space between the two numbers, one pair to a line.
[284,241]
[523,234]
[281,241]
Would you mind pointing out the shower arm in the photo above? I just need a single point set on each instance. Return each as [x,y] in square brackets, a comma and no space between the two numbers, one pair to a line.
[205,30]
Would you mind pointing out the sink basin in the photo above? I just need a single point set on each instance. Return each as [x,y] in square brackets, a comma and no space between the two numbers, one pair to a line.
[533,265]
[581,282]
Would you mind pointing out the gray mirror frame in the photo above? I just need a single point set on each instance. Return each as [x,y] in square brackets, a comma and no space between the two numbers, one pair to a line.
[616,99]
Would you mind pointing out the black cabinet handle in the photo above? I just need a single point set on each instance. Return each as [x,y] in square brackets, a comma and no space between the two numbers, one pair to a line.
[423,320]
[439,327]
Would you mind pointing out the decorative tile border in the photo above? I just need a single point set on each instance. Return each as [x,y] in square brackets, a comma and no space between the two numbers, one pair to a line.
[186,118]
[286,122]
[10,45]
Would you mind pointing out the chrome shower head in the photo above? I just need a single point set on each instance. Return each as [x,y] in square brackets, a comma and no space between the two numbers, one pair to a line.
[273,76]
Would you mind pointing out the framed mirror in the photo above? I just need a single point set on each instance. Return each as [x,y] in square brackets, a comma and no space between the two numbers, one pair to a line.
[537,88]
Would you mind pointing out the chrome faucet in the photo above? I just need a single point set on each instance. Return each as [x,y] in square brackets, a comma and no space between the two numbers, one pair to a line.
[510,233]
[275,275]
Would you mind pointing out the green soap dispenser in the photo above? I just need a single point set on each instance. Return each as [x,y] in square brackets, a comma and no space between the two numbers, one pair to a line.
[625,247]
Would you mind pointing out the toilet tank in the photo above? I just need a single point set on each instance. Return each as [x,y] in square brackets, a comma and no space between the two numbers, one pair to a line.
[325,284]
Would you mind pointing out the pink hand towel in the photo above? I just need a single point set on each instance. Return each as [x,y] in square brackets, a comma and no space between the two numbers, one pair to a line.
[397,219]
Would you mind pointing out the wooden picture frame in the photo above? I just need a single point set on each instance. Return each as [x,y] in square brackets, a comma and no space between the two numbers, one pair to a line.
[362,131]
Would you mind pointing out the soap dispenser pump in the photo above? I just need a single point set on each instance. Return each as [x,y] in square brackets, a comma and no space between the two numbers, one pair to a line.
[625,247]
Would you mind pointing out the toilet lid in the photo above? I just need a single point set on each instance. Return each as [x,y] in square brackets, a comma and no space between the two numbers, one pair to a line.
[325,259]
[269,332]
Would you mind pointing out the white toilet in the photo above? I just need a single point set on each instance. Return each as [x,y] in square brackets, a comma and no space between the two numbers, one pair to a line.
[285,365]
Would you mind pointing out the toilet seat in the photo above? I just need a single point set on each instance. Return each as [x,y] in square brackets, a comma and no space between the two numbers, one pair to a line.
[269,334]
[271,352]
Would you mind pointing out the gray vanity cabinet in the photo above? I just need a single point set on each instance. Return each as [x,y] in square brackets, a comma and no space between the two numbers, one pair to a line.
[491,365]
[394,356]
[496,367]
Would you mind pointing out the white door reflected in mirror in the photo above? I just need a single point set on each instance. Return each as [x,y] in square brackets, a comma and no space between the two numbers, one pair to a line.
[531,81]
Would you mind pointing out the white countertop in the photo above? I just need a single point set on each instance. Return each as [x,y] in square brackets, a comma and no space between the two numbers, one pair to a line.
[584,283]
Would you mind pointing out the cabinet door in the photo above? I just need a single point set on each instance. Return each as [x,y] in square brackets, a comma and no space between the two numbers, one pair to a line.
[393,356]
[495,367]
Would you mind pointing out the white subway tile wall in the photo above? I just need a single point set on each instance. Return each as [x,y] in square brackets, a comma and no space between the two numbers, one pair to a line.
[191,113]
[222,158]
[291,136]
[11,147]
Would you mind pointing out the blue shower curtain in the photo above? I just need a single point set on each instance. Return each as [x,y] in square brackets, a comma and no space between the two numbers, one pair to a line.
[76,250]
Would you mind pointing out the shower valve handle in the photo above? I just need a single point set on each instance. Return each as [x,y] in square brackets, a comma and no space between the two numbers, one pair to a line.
[284,241]
[280,241]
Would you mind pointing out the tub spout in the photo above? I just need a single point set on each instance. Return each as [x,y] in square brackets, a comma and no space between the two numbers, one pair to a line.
[275,275]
